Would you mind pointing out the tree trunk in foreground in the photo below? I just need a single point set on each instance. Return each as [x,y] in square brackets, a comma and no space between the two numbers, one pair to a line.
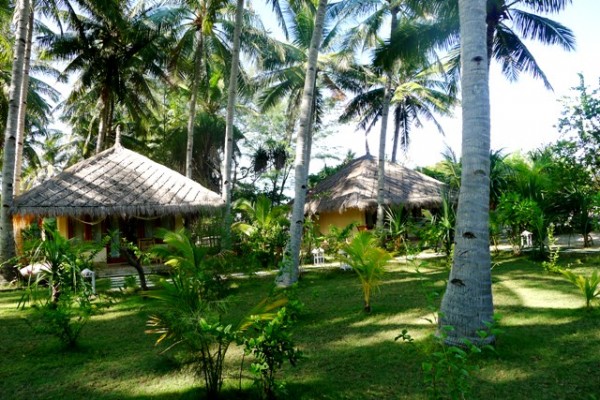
[23,107]
[289,272]
[467,304]
[7,239]
[231,97]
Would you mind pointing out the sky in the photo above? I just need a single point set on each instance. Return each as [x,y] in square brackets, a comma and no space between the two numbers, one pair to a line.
[523,114]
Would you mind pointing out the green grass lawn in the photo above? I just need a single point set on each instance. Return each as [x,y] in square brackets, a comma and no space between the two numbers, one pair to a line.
[550,348]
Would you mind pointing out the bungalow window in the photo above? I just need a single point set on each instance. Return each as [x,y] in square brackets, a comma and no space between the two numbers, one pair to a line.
[85,229]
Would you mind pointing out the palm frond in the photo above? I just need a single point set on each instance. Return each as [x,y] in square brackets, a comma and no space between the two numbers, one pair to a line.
[542,29]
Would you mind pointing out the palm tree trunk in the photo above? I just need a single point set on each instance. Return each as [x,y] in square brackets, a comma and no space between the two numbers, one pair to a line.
[310,130]
[489,41]
[387,97]
[395,145]
[382,138]
[103,122]
[192,105]
[23,106]
[289,271]
[7,239]
[467,304]
[231,97]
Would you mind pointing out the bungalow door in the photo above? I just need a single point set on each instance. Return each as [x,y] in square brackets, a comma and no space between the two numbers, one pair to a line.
[114,254]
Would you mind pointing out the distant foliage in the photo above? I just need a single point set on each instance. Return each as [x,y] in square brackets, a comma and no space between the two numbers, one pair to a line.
[517,214]
[327,171]
[580,118]
[263,231]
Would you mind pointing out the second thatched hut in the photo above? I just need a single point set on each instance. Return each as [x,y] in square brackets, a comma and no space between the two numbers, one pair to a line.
[350,195]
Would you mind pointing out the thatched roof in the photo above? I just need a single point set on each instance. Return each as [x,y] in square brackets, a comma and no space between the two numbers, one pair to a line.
[116,181]
[355,186]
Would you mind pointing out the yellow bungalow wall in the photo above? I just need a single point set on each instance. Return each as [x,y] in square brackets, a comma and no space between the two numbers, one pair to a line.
[178,222]
[62,223]
[326,219]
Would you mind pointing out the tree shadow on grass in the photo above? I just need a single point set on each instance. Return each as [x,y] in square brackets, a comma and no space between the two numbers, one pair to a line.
[557,357]
[349,354]
[111,352]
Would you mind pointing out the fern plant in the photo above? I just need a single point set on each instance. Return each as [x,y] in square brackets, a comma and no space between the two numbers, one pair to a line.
[368,261]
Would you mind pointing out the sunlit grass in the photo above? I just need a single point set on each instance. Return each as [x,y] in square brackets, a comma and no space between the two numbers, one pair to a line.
[550,348]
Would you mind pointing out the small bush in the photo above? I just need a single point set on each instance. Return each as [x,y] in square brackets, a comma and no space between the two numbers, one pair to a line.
[64,319]
[271,344]
[368,261]
[64,308]
[589,286]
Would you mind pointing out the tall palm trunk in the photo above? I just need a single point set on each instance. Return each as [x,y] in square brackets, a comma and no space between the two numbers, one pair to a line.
[7,240]
[403,127]
[103,123]
[467,304]
[192,105]
[289,271]
[231,97]
[387,97]
[23,106]
[382,138]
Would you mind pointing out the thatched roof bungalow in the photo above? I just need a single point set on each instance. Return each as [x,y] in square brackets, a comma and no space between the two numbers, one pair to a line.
[350,195]
[115,189]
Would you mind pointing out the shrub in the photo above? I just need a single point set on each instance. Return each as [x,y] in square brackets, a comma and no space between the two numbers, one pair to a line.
[189,310]
[368,261]
[447,371]
[191,307]
[264,232]
[271,344]
[64,319]
[517,213]
[589,286]
[337,238]
[551,264]
[64,310]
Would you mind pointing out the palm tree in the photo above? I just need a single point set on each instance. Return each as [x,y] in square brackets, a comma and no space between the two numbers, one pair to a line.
[35,108]
[419,93]
[368,261]
[289,271]
[282,81]
[199,23]
[505,21]
[114,47]
[45,154]
[231,97]
[23,106]
[7,245]
[405,44]
[204,55]
[6,49]
[467,304]
[209,138]
[48,7]
[509,23]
